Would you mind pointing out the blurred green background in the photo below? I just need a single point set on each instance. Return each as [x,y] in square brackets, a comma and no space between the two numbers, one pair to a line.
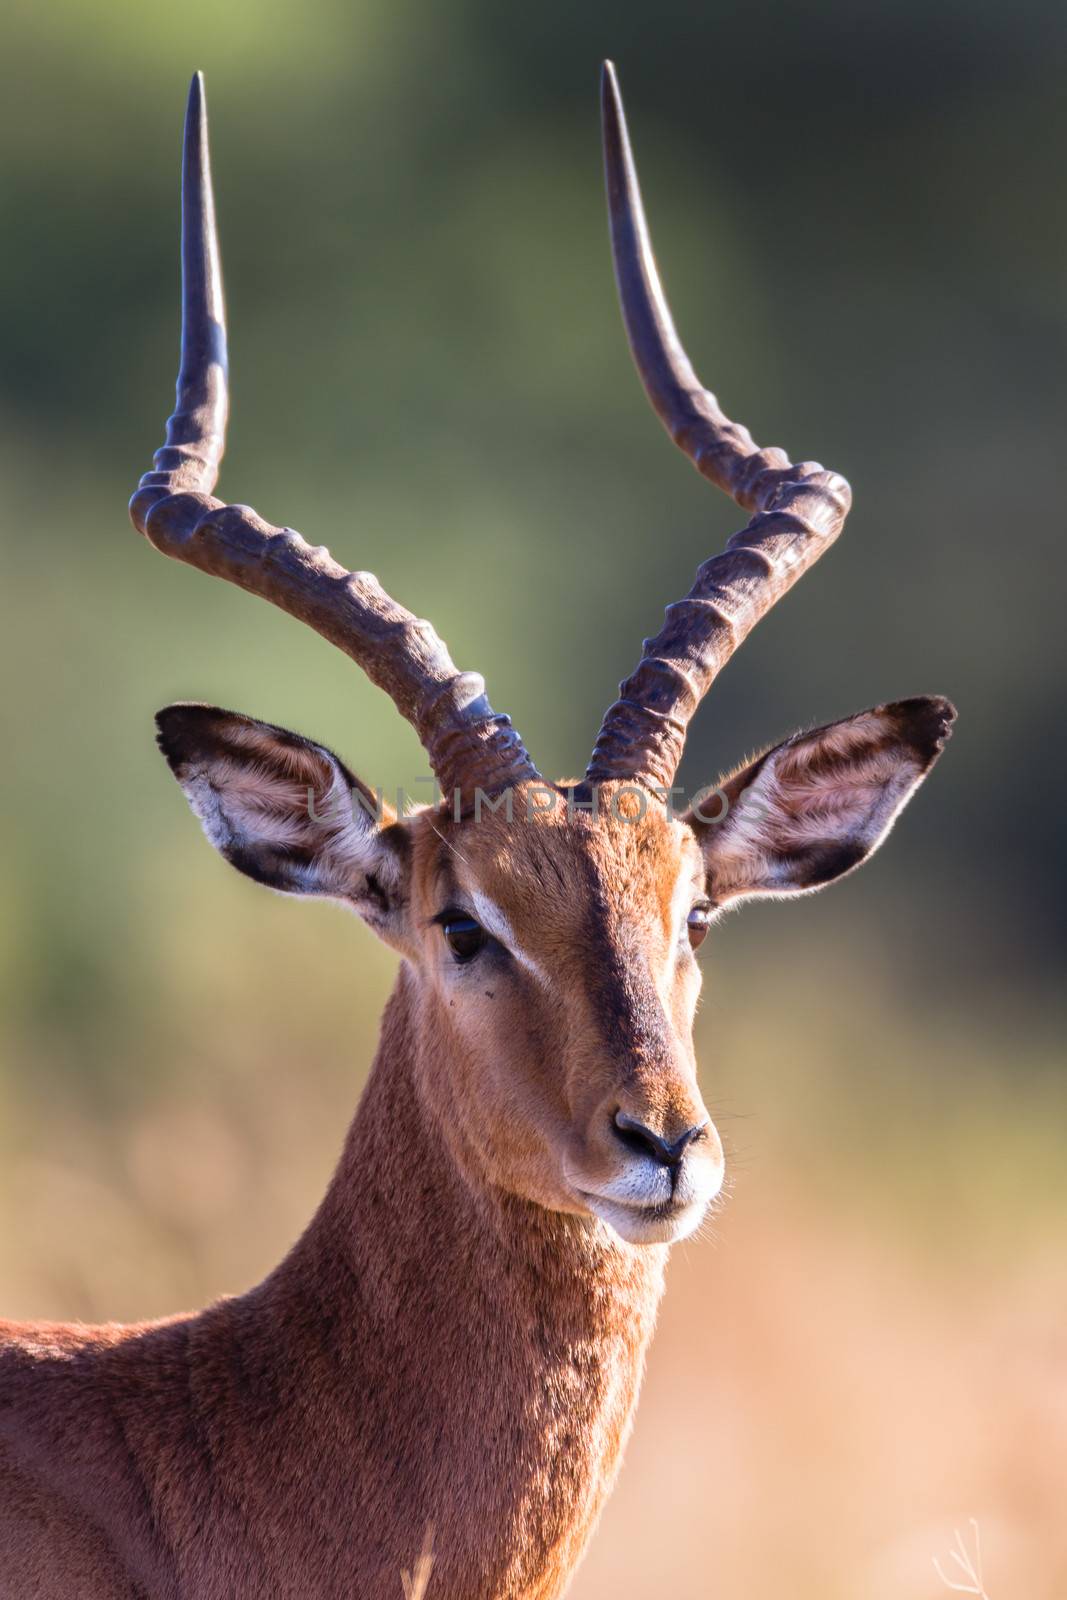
[860,217]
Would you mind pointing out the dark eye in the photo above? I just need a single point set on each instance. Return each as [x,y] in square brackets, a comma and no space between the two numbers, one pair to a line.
[464,937]
[698,925]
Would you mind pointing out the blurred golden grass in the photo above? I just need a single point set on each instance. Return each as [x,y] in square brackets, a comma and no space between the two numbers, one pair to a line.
[821,1410]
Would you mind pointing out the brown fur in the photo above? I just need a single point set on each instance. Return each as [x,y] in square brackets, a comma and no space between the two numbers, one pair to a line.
[437,1348]
[458,1337]
[427,1353]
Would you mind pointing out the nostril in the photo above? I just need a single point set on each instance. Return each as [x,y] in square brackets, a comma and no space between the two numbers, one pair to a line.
[636,1136]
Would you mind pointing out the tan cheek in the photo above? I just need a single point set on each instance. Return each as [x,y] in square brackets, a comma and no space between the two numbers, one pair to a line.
[512,1082]
[677,977]
[685,993]
[506,1031]
[463,1074]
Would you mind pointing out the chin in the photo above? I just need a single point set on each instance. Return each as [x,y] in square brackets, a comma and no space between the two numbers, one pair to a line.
[663,1224]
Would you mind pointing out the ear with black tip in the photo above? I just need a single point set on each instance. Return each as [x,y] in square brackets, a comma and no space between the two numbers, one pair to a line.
[818,805]
[285,811]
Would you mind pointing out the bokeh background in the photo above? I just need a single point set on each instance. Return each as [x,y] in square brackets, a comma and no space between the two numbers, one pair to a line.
[860,216]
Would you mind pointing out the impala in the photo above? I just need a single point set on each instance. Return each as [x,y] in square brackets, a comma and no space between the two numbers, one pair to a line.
[458,1337]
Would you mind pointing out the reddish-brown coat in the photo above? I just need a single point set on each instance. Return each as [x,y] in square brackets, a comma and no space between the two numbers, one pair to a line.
[427,1353]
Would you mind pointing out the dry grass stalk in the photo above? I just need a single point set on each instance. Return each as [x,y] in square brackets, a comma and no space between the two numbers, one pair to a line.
[970,1566]
[417,1581]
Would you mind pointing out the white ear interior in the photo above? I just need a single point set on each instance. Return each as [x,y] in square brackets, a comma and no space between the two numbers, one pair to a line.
[280,808]
[839,789]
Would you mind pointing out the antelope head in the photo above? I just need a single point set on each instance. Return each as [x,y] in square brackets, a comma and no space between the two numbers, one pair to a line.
[548,930]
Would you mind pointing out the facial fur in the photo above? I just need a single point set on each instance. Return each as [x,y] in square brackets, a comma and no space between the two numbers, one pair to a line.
[577,1013]
[557,1057]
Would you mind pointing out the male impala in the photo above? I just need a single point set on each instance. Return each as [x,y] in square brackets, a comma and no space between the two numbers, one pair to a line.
[458,1337]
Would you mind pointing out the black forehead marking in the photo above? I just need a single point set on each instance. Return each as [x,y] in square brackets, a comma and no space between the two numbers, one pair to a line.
[620,984]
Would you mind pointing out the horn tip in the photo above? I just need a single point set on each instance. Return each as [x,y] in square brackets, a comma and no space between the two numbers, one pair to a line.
[613,117]
[196,162]
[196,105]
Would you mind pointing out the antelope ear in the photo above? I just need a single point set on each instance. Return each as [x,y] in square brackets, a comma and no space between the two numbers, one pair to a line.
[818,805]
[286,811]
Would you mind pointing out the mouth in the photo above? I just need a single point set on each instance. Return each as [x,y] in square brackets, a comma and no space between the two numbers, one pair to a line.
[662,1223]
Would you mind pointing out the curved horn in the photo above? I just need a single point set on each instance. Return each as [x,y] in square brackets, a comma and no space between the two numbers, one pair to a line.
[470,747]
[196,433]
[799,510]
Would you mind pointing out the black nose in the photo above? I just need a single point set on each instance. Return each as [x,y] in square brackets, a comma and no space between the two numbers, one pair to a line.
[635,1136]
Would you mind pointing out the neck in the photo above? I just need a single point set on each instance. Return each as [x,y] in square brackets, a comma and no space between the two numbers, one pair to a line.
[495,1348]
